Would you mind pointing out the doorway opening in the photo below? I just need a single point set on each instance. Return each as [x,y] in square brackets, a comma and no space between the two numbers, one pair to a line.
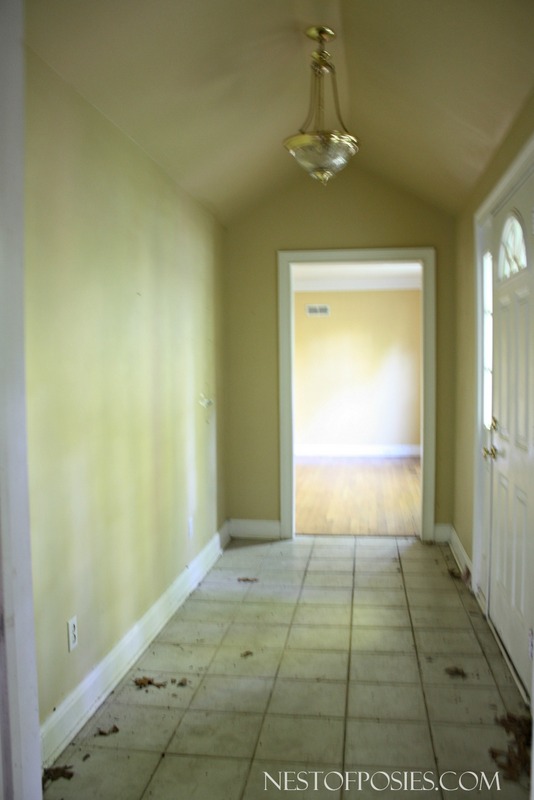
[357,395]
[357,399]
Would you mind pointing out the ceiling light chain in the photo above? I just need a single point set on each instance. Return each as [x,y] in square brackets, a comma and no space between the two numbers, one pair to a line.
[322,153]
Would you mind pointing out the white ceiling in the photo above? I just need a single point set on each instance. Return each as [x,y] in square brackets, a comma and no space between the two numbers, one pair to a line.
[210,88]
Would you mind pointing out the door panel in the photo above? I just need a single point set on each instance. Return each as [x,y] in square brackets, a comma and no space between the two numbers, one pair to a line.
[522,362]
[511,601]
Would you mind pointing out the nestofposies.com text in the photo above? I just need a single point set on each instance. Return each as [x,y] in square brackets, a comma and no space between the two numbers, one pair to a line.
[381,781]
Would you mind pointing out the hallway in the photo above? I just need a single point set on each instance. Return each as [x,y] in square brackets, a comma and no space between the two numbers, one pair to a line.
[313,655]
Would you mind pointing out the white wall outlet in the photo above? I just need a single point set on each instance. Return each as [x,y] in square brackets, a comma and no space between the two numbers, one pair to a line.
[72,632]
[190,528]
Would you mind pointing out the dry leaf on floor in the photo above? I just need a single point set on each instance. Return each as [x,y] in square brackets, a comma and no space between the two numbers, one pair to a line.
[142,683]
[515,761]
[182,682]
[246,653]
[55,773]
[456,672]
[102,732]
[247,580]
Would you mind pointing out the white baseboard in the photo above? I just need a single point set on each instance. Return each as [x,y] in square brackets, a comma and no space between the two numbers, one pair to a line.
[357,451]
[254,528]
[58,730]
[458,551]
[224,534]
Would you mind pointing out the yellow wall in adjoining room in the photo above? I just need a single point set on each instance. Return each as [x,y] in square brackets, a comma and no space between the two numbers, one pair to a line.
[355,210]
[357,371]
[466,364]
[122,338]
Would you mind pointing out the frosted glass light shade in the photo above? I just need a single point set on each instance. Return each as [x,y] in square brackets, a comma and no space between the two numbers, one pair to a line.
[322,154]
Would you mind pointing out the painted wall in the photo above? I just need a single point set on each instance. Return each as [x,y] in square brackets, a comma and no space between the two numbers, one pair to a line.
[122,337]
[357,372]
[466,453]
[355,210]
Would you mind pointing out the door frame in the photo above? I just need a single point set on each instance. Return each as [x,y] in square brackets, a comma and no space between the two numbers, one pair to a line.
[20,746]
[518,172]
[425,256]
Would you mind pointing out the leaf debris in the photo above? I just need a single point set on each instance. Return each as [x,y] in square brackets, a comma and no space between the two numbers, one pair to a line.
[144,682]
[247,580]
[515,761]
[456,672]
[246,653]
[55,773]
[109,732]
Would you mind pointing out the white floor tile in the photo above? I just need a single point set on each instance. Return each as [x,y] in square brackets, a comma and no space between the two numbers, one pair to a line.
[382,640]
[217,733]
[318,637]
[386,701]
[316,664]
[231,693]
[464,704]
[101,773]
[391,743]
[444,641]
[177,658]
[382,668]
[207,778]
[473,669]
[309,698]
[246,660]
[312,740]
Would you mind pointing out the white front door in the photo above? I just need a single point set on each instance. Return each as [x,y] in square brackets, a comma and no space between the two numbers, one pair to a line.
[511,595]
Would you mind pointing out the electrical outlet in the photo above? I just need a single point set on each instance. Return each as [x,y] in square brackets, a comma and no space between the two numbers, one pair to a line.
[72,632]
[190,527]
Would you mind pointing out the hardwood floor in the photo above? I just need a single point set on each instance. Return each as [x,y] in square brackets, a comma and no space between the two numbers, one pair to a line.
[359,496]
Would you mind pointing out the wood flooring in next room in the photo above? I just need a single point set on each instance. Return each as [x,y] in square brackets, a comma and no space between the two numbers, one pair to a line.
[358,496]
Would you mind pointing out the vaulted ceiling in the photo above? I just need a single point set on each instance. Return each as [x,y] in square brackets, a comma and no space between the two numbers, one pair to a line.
[210,88]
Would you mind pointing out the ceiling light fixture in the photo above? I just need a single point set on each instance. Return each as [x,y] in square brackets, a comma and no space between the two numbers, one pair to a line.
[322,153]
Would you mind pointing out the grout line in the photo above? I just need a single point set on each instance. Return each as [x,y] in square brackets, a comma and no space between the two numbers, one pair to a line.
[275,676]
[349,667]
[421,683]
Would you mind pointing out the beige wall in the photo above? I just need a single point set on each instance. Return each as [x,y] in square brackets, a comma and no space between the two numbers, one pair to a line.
[122,337]
[357,372]
[354,210]
[521,132]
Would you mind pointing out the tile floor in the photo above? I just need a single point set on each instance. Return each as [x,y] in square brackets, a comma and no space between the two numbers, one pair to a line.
[332,660]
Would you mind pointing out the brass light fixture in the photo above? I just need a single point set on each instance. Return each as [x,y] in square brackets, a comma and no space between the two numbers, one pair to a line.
[322,153]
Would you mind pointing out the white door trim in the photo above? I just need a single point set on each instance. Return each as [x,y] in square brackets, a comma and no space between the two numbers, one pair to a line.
[20,756]
[427,258]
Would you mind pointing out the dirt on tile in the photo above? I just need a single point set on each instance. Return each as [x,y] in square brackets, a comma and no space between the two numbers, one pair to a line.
[144,683]
[515,761]
[456,672]
[55,773]
[109,732]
